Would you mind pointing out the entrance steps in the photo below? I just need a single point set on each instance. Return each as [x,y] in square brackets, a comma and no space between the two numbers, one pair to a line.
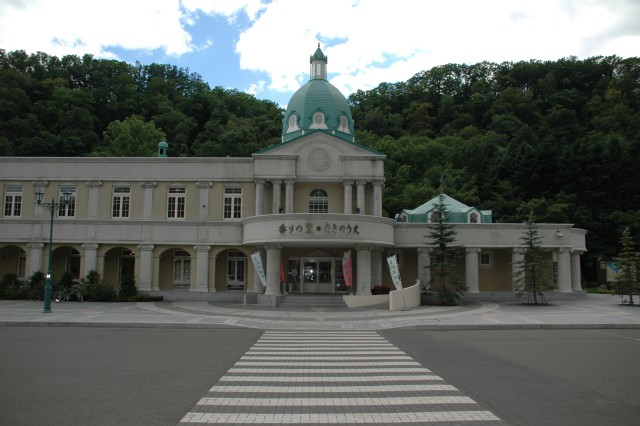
[311,301]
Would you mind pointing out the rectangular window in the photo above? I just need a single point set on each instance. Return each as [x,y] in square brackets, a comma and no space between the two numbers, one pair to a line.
[12,200]
[68,210]
[232,203]
[235,270]
[486,259]
[121,202]
[176,203]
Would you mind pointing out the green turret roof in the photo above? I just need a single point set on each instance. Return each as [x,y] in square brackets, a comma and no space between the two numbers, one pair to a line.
[318,106]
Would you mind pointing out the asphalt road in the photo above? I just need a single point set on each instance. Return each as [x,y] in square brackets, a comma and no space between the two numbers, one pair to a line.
[111,376]
[537,377]
[153,376]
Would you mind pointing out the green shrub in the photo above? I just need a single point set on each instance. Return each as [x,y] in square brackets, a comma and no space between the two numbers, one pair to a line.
[10,286]
[128,290]
[94,289]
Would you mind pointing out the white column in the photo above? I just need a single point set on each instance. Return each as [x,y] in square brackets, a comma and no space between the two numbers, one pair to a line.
[348,197]
[564,270]
[517,257]
[273,270]
[277,190]
[360,196]
[148,198]
[204,199]
[363,280]
[36,257]
[90,258]
[289,196]
[376,267]
[211,284]
[471,269]
[93,197]
[424,265]
[202,267]
[576,274]
[259,197]
[146,266]
[377,198]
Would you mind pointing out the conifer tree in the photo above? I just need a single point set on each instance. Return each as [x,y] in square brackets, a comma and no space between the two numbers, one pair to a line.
[627,261]
[534,274]
[446,287]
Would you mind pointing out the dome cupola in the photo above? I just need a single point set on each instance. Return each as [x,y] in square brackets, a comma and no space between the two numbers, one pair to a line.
[318,106]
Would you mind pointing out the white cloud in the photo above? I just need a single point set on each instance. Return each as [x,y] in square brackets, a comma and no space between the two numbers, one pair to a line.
[367,41]
[76,27]
[359,36]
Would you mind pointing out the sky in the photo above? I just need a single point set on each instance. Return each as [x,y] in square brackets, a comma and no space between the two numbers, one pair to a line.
[263,47]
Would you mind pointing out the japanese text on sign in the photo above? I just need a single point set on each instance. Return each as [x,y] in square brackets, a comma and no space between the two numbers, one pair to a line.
[313,229]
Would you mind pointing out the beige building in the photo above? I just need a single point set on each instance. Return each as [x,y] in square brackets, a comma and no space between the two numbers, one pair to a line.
[187,227]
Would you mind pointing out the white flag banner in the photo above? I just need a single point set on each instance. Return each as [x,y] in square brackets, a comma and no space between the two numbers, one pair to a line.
[257,263]
[394,271]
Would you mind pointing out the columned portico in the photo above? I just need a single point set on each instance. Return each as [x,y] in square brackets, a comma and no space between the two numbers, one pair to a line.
[146,266]
[364,271]
[471,269]
[348,196]
[360,196]
[377,198]
[273,271]
[576,276]
[36,256]
[90,257]
[259,196]
[288,196]
[277,195]
[202,267]
[564,270]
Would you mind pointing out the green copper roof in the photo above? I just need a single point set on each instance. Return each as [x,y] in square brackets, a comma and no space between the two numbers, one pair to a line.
[318,55]
[318,106]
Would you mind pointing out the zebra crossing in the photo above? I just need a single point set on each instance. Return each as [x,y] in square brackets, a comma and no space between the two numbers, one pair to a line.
[332,377]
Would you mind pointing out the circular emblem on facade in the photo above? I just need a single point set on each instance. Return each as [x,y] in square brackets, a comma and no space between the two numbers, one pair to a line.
[319,159]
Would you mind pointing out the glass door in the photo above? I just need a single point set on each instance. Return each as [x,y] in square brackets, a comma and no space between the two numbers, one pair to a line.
[317,276]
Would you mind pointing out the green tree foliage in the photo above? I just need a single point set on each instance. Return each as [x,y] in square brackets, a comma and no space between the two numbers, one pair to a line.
[627,261]
[52,106]
[444,286]
[534,272]
[559,137]
[131,137]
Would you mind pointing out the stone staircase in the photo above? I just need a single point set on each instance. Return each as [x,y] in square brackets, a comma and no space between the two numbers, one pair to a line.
[311,301]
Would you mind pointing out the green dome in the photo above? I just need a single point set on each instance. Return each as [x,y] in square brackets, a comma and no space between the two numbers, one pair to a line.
[318,106]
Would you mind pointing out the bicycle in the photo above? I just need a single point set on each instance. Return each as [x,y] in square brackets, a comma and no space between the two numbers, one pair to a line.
[66,294]
[35,295]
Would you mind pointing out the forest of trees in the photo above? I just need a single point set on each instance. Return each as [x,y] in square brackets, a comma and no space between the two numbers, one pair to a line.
[559,139]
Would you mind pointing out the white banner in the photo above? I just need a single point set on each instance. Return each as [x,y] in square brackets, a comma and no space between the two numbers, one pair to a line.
[257,263]
[394,271]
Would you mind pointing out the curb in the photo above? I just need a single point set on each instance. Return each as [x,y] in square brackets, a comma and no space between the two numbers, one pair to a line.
[417,327]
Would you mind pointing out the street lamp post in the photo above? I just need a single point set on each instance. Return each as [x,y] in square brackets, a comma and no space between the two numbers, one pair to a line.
[52,206]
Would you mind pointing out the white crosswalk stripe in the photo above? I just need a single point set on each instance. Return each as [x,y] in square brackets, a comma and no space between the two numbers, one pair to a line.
[332,378]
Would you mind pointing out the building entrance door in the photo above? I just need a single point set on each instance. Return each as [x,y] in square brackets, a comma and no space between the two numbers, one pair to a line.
[317,275]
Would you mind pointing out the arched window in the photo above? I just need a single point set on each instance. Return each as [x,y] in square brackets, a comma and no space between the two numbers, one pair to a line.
[318,201]
[293,123]
[473,218]
[318,121]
